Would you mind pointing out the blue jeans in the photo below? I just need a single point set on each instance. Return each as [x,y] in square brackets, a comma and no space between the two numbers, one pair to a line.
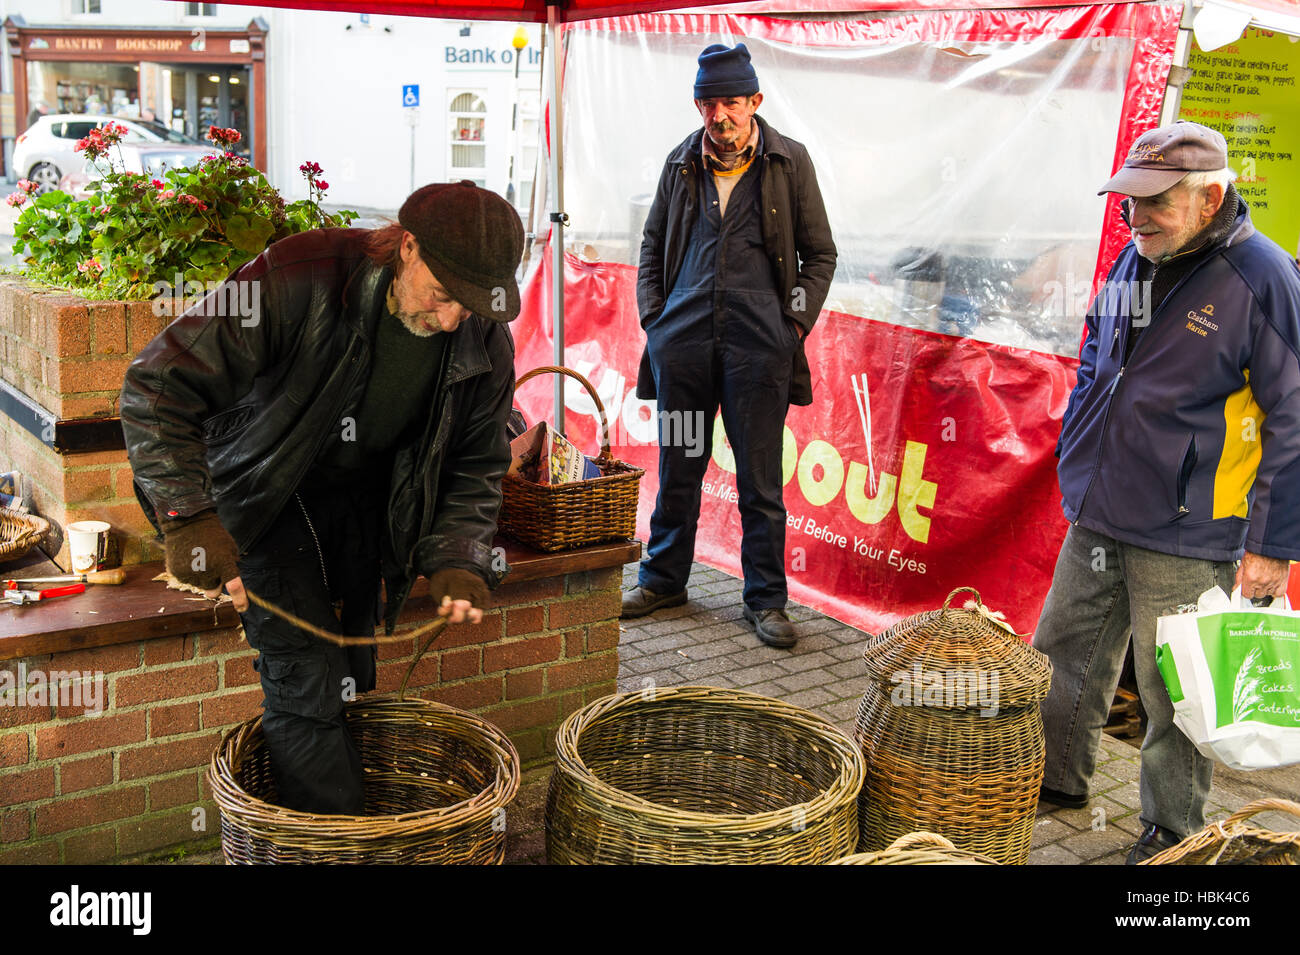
[1102,590]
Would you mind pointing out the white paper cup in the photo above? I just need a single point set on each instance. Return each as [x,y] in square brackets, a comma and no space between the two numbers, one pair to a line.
[87,540]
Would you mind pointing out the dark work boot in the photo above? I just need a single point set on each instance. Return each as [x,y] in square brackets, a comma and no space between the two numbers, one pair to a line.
[773,627]
[638,602]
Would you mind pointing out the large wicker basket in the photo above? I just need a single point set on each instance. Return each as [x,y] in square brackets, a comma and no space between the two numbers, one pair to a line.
[437,781]
[698,774]
[918,848]
[19,533]
[564,516]
[951,732]
[1234,842]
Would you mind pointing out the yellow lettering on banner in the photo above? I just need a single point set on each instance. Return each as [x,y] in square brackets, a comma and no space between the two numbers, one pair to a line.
[819,492]
[869,510]
[914,492]
[722,453]
[789,455]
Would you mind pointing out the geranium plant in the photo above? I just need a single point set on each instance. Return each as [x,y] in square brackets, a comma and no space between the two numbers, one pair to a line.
[134,234]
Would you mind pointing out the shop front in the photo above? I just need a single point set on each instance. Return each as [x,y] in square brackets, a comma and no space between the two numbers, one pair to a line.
[187,79]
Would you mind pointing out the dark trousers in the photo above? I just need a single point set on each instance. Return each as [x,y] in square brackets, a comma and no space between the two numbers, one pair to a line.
[750,381]
[320,562]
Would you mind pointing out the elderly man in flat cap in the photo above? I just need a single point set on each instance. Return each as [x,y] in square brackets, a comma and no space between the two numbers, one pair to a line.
[1179,456]
[348,427]
[736,260]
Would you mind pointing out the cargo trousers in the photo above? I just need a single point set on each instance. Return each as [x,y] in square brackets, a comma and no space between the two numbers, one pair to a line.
[320,562]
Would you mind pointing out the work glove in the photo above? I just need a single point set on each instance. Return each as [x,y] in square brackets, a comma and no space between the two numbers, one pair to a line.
[458,584]
[200,551]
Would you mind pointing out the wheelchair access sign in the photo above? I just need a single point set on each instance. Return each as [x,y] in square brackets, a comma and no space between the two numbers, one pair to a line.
[411,95]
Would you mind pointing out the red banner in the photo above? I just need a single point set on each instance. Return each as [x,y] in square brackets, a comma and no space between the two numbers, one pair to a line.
[956,485]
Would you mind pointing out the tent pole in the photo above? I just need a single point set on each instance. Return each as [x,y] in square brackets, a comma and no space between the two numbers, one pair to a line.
[558,218]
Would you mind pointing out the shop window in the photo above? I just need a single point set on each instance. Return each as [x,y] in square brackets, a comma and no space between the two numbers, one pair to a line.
[84,6]
[200,9]
[466,119]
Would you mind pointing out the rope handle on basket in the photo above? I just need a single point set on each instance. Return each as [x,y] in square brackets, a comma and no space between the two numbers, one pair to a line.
[605,454]
[434,630]
[1262,805]
[921,840]
[995,617]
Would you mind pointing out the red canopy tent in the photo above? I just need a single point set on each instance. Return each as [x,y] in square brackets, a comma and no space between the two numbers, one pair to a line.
[997,523]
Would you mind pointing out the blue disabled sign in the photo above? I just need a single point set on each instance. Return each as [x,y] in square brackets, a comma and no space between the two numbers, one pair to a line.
[411,95]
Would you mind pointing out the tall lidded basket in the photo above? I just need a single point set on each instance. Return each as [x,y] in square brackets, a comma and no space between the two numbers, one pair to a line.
[951,732]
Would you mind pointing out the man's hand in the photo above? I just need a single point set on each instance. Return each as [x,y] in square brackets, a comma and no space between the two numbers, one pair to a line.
[200,552]
[460,594]
[1262,576]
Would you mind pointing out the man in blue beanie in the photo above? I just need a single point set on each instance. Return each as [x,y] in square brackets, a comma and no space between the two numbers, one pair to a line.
[736,260]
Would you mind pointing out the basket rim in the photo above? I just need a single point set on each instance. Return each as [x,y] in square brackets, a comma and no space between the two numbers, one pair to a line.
[844,789]
[233,799]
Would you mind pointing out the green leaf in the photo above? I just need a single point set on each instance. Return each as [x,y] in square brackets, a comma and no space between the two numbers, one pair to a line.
[249,233]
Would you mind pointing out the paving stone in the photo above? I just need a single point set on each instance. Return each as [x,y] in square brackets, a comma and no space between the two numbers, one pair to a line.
[847,670]
[842,713]
[795,682]
[846,652]
[756,655]
[697,669]
[1131,824]
[766,689]
[1094,844]
[798,662]
[810,699]
[1074,818]
[756,674]
[1127,795]
[1052,855]
[1048,830]
[1123,770]
[707,651]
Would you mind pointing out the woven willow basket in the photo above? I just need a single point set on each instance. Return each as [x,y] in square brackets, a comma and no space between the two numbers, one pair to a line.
[551,517]
[951,732]
[437,781]
[1233,842]
[698,774]
[918,848]
[19,533]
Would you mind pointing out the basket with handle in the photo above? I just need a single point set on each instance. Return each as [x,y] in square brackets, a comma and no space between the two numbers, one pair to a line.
[19,533]
[918,848]
[437,782]
[579,513]
[1236,842]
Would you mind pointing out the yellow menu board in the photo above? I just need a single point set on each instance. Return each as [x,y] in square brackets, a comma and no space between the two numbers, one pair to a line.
[1250,92]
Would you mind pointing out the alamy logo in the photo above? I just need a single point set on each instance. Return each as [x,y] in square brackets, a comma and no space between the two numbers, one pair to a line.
[75,907]
[64,688]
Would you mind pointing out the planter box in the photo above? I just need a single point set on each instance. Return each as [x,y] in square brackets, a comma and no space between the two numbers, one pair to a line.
[62,363]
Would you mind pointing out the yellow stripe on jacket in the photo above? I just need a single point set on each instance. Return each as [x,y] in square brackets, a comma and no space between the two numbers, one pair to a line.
[1242,448]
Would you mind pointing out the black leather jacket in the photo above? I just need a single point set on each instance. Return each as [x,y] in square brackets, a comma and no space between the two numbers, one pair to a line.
[796,237]
[229,405]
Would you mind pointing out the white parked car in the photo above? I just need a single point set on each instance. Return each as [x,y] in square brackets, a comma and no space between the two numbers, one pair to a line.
[152,159]
[46,151]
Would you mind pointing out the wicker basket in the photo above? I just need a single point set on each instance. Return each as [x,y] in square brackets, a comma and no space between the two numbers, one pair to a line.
[951,732]
[918,848]
[19,533]
[698,774]
[565,516]
[1233,842]
[437,781]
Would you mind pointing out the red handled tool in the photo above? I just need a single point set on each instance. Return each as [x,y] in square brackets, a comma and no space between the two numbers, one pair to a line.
[21,597]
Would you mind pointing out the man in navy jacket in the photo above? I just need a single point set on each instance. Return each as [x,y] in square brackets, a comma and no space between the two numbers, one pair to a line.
[1179,456]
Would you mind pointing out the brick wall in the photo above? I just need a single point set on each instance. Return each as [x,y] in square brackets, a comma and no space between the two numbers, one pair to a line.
[81,789]
[69,355]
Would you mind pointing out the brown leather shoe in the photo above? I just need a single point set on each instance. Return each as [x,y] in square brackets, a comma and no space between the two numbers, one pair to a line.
[638,602]
[773,627]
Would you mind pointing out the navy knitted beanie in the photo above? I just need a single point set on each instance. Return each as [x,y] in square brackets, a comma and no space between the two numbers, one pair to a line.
[725,71]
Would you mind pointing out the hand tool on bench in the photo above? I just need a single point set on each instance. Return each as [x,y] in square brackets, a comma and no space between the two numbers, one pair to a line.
[116,576]
[21,597]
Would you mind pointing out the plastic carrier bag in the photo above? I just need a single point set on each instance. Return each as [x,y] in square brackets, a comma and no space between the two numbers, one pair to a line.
[1232,673]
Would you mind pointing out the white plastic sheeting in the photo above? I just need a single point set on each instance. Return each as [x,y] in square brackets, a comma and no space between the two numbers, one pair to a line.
[959,155]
